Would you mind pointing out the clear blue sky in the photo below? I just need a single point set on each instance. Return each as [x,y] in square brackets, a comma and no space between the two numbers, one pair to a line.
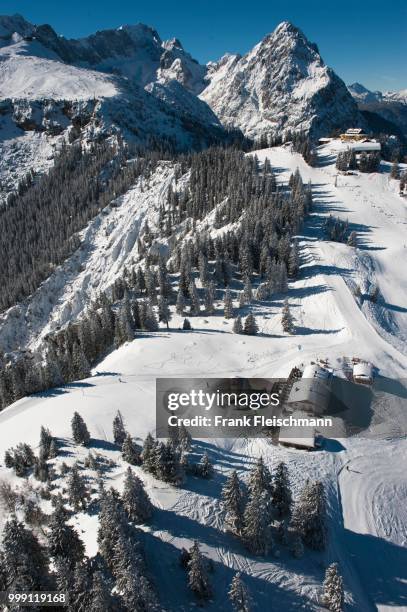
[363,40]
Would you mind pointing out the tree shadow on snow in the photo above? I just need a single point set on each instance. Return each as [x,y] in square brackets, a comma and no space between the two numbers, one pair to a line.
[166,571]
[382,567]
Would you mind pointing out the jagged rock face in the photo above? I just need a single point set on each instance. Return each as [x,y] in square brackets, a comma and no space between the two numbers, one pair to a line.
[281,84]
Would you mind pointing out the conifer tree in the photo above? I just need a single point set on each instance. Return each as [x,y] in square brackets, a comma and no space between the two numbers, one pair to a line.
[228,304]
[184,438]
[287,319]
[308,518]
[80,432]
[136,502]
[25,565]
[260,480]
[256,531]
[195,307]
[63,540]
[281,494]
[232,500]
[247,291]
[205,466]
[197,575]
[100,597]
[239,595]
[112,525]
[210,293]
[131,582]
[130,452]
[250,325]
[237,325]
[293,261]
[77,491]
[333,589]
[186,326]
[146,453]
[180,304]
[164,313]
[119,430]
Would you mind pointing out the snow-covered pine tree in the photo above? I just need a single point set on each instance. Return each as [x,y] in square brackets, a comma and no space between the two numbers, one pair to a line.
[164,312]
[119,430]
[63,540]
[195,307]
[203,269]
[78,494]
[135,590]
[146,453]
[184,438]
[198,580]
[260,480]
[80,433]
[180,303]
[247,291]
[205,467]
[333,597]
[232,501]
[25,564]
[100,597]
[256,532]
[136,502]
[45,441]
[80,367]
[239,595]
[228,304]
[79,595]
[308,517]
[294,260]
[287,321]
[112,525]
[237,325]
[281,493]
[130,451]
[210,294]
[250,325]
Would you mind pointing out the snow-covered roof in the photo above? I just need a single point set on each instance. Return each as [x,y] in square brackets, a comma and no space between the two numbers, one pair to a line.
[313,389]
[313,370]
[365,146]
[354,131]
[363,370]
[298,436]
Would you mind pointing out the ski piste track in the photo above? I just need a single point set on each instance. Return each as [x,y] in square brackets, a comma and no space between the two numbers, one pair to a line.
[365,480]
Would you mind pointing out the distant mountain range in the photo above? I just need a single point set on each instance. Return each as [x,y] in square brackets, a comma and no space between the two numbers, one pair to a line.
[129,81]
[390,106]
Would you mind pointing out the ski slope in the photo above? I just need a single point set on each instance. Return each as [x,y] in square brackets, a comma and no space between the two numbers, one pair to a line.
[364,477]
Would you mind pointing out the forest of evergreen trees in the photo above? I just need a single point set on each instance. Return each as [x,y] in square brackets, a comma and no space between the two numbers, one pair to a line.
[260,220]
[43,551]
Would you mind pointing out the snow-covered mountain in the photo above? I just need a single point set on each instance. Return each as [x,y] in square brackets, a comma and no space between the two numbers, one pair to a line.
[282,84]
[362,94]
[389,105]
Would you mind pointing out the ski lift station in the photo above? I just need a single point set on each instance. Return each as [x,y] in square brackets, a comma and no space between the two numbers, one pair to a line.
[312,391]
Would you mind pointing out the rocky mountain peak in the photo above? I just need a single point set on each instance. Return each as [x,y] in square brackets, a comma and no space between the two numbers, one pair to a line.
[281,84]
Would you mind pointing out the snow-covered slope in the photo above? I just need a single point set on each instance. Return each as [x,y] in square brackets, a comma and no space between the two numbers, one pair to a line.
[363,477]
[29,70]
[281,84]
